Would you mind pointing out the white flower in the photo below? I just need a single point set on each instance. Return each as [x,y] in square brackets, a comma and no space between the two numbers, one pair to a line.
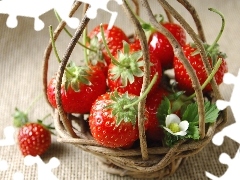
[175,126]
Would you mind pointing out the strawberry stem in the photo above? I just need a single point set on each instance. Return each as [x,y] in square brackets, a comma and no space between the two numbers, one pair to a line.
[145,93]
[85,50]
[212,74]
[33,103]
[53,43]
[221,30]
[55,49]
[107,48]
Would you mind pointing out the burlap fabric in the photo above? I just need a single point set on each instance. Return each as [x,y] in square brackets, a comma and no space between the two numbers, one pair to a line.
[21,53]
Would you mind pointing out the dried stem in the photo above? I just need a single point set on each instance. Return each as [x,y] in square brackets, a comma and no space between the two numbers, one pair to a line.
[169,16]
[137,11]
[146,78]
[196,18]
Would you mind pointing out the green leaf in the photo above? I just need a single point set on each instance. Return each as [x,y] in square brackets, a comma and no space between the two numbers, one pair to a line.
[170,139]
[193,131]
[211,112]
[191,113]
[163,110]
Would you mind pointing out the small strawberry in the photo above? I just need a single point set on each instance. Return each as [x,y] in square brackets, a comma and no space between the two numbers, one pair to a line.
[114,38]
[34,138]
[80,87]
[126,75]
[111,124]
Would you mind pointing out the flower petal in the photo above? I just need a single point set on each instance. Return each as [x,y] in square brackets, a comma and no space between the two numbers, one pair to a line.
[180,133]
[168,130]
[183,125]
[172,118]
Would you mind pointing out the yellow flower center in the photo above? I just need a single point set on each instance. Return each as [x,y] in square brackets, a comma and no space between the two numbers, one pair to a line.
[174,127]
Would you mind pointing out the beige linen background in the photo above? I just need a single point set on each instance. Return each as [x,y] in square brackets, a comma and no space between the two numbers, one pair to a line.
[21,53]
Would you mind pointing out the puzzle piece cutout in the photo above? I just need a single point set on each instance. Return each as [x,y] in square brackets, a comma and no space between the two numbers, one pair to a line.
[8,133]
[18,176]
[43,170]
[232,130]
[3,165]
[233,167]
[36,8]
[94,6]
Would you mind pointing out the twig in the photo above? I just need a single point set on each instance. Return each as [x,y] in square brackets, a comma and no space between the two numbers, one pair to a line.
[196,18]
[146,78]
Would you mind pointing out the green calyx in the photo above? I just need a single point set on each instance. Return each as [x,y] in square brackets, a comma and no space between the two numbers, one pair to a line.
[19,118]
[94,52]
[128,66]
[74,76]
[121,113]
[212,51]
[49,127]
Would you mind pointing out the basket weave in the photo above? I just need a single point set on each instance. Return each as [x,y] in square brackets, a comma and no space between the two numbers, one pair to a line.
[141,162]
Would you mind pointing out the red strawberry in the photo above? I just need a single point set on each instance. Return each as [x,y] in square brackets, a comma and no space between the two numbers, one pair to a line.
[114,37]
[161,47]
[81,86]
[126,75]
[111,125]
[154,131]
[193,56]
[182,77]
[34,139]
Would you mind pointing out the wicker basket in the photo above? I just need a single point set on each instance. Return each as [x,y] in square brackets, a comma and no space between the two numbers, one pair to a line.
[140,162]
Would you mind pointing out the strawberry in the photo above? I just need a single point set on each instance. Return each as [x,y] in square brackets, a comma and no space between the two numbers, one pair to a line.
[192,54]
[183,80]
[154,131]
[161,47]
[113,118]
[81,86]
[111,123]
[34,139]
[126,75]
[114,38]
